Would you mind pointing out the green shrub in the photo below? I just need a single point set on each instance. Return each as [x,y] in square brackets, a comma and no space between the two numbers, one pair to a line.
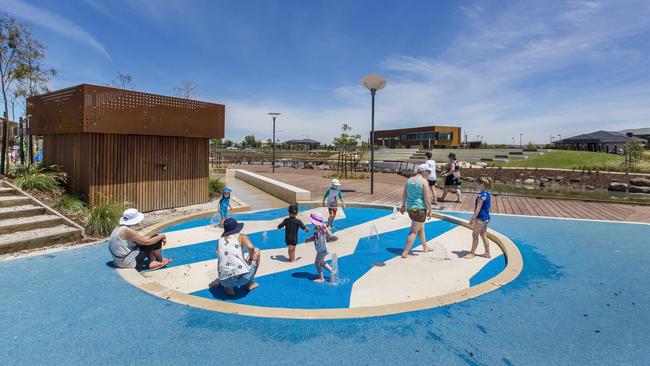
[216,186]
[70,203]
[104,217]
[36,177]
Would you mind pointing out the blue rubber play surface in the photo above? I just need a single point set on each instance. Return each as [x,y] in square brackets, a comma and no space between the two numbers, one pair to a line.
[269,239]
[582,299]
[295,288]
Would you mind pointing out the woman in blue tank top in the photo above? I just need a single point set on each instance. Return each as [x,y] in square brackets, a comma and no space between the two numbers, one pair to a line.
[480,218]
[416,200]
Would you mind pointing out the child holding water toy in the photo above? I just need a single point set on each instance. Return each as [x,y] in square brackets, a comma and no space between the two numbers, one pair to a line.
[331,199]
[321,233]
[480,218]
[224,205]
[291,225]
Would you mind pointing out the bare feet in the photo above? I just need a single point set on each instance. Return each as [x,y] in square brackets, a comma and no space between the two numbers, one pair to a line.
[469,256]
[252,286]
[319,280]
[159,264]
[485,255]
[410,253]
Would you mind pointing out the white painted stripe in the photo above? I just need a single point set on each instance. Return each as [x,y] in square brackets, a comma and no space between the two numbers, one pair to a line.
[197,276]
[427,275]
[184,237]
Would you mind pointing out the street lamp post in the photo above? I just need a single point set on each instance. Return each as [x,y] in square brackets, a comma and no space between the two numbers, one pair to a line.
[520,143]
[22,148]
[274,115]
[373,82]
[30,140]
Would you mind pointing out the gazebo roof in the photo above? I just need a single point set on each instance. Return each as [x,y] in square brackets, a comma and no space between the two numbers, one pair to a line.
[90,108]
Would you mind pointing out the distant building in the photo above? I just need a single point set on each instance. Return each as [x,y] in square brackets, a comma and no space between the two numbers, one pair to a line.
[304,144]
[642,133]
[426,137]
[599,141]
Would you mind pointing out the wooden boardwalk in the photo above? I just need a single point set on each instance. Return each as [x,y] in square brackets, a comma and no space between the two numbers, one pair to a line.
[388,190]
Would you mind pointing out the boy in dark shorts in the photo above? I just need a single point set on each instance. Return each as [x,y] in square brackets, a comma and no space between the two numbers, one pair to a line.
[291,225]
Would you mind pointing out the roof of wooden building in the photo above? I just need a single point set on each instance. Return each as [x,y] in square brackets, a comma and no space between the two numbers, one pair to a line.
[90,108]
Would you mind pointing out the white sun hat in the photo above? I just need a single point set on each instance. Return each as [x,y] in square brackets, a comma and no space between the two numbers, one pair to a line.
[131,216]
[423,167]
[335,182]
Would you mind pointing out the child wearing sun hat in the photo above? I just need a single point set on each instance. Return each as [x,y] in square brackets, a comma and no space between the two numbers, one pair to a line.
[321,233]
[224,205]
[331,199]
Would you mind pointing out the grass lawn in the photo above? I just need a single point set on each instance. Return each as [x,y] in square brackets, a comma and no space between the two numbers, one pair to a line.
[562,159]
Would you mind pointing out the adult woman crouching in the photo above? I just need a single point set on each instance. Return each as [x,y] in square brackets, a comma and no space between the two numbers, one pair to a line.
[233,269]
[132,250]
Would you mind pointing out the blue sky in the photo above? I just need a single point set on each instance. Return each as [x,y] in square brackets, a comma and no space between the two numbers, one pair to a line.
[496,68]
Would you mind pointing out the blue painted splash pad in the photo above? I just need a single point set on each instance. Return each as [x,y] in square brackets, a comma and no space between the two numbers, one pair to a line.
[294,287]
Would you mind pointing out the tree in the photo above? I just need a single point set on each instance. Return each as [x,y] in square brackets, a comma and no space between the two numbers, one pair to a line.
[633,153]
[227,143]
[123,81]
[186,90]
[346,141]
[33,79]
[19,53]
[250,141]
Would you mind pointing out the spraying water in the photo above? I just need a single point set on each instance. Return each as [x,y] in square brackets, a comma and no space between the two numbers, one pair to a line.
[265,236]
[394,217]
[335,275]
[214,221]
[374,232]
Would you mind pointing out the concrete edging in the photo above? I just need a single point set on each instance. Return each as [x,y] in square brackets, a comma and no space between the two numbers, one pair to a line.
[281,190]
[157,228]
[514,266]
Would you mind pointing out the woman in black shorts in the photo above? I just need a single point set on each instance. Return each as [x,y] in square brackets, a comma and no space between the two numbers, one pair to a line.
[452,178]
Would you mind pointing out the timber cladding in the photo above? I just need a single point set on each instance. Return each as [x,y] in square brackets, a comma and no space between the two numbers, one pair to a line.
[126,146]
[150,172]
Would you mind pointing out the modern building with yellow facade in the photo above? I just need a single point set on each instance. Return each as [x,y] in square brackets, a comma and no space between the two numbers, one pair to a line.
[425,137]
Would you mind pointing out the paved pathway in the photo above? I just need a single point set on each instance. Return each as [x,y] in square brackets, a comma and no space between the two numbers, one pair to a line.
[388,190]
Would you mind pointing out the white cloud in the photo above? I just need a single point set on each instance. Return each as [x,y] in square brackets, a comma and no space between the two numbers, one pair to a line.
[510,70]
[53,22]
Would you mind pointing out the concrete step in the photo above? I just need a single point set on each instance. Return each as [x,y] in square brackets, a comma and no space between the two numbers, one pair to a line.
[14,225]
[39,238]
[6,191]
[20,211]
[8,201]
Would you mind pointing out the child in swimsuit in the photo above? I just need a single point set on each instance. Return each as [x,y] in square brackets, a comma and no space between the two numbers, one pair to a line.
[224,205]
[480,218]
[331,199]
[291,225]
[321,233]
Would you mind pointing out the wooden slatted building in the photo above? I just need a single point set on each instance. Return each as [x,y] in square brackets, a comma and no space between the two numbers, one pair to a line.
[126,146]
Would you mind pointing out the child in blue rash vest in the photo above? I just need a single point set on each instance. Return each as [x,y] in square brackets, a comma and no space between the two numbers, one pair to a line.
[224,205]
[331,200]
[480,218]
